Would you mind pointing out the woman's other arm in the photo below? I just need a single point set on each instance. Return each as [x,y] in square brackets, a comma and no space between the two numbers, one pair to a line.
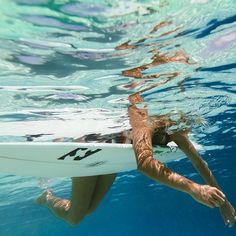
[181,139]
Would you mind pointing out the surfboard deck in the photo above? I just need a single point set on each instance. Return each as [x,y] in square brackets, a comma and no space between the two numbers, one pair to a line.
[70,159]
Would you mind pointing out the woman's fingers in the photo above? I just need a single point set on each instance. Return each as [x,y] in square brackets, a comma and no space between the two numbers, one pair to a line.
[217,197]
[215,202]
[218,200]
[220,193]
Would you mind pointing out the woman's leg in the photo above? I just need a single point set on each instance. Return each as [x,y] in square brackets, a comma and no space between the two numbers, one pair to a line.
[103,184]
[74,210]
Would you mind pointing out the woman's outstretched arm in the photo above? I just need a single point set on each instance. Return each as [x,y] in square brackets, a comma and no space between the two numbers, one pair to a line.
[181,139]
[142,133]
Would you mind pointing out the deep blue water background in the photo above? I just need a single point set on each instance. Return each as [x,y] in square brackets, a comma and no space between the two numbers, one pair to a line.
[135,205]
[57,55]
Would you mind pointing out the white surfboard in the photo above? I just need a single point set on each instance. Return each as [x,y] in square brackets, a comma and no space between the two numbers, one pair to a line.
[51,159]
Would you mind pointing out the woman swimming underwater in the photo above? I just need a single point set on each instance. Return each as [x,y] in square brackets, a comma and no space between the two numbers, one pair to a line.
[147,131]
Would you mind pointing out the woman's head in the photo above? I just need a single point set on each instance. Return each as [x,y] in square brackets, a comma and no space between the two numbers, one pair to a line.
[160,137]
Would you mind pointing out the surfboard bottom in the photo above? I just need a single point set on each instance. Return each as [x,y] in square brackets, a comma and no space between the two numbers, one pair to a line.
[74,159]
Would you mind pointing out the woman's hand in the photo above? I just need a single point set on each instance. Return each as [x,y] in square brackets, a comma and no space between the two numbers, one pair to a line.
[228,213]
[208,195]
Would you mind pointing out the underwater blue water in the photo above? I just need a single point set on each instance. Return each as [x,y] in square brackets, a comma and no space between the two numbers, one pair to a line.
[60,59]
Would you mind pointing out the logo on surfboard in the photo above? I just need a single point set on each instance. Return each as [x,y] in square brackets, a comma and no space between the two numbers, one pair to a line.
[79,154]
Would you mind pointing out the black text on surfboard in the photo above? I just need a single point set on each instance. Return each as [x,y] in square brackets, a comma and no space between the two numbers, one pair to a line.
[79,154]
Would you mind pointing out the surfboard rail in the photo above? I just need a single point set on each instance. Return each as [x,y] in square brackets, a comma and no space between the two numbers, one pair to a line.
[70,159]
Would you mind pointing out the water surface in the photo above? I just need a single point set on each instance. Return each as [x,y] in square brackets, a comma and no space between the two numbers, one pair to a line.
[73,61]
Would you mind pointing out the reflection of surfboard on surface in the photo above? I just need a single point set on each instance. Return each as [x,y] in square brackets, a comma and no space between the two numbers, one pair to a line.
[53,124]
[74,159]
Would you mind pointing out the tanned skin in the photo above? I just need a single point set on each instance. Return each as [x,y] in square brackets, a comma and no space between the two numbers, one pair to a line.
[143,128]
[87,192]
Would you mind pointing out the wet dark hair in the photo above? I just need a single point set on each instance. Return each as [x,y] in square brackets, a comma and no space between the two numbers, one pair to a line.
[160,137]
